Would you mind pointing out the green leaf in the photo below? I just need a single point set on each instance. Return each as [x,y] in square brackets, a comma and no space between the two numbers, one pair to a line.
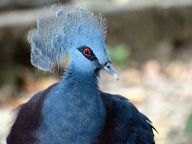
[189,125]
[119,54]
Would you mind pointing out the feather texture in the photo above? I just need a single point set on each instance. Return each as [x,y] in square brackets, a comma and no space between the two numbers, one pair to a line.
[28,120]
[124,123]
[63,29]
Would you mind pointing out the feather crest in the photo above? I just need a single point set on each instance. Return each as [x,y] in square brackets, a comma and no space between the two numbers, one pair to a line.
[64,28]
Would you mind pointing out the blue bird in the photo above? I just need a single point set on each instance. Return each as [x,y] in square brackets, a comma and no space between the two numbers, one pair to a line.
[75,110]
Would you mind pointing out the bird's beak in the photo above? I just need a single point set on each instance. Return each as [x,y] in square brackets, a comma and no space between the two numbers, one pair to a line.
[111,70]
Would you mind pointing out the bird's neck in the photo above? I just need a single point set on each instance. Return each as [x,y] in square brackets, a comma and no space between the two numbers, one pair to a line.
[76,104]
[80,78]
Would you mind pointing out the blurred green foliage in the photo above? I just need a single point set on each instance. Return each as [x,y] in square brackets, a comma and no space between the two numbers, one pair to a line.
[189,126]
[119,54]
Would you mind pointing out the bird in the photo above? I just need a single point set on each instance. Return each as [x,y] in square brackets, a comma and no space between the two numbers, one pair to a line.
[74,110]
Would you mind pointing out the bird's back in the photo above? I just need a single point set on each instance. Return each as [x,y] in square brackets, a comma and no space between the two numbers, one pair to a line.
[124,123]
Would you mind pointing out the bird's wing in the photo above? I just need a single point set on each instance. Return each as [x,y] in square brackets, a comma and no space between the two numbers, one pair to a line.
[28,120]
[124,123]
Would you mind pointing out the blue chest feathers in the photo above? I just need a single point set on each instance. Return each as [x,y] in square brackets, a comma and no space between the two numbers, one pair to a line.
[71,114]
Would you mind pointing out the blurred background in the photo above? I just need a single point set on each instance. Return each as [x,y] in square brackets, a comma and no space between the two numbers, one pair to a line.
[150,42]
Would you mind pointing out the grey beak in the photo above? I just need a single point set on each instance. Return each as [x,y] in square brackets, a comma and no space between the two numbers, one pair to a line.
[111,70]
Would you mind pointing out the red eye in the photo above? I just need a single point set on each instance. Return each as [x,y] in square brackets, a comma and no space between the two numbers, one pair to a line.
[87,52]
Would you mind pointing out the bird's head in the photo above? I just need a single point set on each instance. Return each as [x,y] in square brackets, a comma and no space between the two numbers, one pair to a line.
[74,35]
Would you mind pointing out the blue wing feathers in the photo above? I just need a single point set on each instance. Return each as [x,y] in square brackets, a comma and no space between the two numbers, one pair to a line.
[28,120]
[124,123]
